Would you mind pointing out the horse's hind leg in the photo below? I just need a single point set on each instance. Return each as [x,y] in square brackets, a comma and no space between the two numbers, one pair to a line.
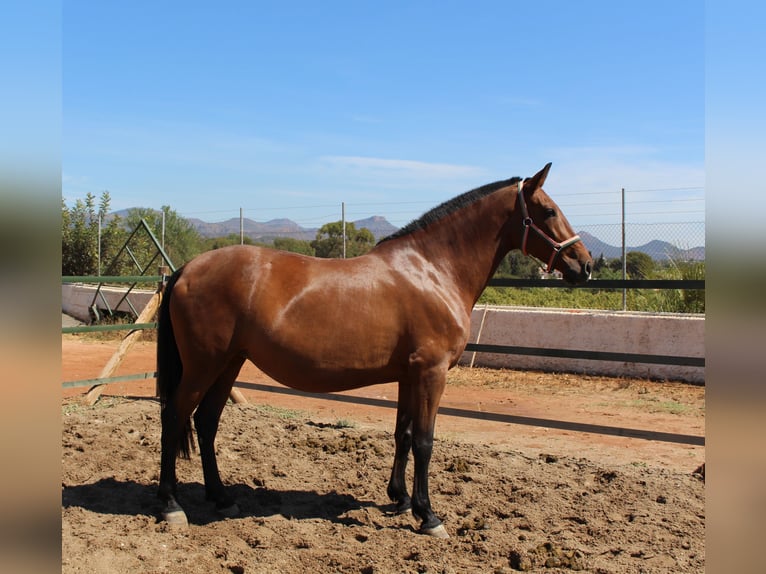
[397,487]
[206,420]
[175,418]
[172,511]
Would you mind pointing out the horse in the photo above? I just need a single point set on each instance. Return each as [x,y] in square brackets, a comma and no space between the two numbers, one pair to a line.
[399,313]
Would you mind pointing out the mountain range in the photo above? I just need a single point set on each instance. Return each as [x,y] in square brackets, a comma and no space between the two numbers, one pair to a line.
[656,249]
[267,231]
[380,227]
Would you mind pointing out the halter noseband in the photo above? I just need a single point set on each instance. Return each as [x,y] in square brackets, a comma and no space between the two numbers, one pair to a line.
[529,224]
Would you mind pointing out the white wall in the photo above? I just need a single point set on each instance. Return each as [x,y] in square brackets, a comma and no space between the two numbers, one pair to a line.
[76,299]
[680,335]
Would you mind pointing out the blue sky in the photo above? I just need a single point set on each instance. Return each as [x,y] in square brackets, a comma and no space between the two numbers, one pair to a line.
[287,109]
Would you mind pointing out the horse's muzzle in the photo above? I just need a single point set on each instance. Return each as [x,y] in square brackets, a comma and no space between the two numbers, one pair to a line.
[578,273]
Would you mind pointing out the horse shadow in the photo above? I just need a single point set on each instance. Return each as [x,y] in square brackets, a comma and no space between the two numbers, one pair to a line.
[112,496]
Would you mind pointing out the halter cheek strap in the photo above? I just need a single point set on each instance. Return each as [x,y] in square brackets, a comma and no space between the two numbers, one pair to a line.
[556,247]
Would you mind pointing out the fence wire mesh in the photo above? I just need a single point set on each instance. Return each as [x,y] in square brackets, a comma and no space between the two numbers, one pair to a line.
[682,241]
[666,224]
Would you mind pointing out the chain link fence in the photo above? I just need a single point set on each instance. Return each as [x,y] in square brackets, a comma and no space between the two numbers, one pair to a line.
[666,224]
[683,241]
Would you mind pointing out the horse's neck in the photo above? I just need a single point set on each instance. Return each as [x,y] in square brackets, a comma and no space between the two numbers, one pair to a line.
[466,246]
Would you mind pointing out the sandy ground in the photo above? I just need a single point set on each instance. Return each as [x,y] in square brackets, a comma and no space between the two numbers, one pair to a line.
[310,476]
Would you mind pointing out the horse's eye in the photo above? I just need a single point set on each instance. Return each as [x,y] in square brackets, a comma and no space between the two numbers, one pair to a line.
[550,212]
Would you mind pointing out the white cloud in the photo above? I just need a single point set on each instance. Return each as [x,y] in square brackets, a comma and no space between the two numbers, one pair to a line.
[400,167]
[597,169]
[587,183]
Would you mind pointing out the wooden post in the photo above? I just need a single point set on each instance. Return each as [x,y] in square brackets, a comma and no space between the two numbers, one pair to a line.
[146,315]
[237,397]
[478,335]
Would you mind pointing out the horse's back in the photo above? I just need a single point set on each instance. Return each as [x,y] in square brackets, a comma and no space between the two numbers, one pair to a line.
[316,324]
[290,314]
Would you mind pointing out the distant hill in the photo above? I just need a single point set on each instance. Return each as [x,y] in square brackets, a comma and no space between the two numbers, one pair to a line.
[381,227]
[267,231]
[253,229]
[656,249]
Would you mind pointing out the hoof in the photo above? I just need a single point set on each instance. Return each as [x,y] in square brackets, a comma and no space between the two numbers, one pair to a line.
[437,531]
[230,511]
[176,518]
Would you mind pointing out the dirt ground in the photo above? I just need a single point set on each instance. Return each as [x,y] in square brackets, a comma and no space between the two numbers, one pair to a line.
[310,476]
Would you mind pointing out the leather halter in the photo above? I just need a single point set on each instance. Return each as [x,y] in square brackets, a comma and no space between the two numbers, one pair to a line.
[529,224]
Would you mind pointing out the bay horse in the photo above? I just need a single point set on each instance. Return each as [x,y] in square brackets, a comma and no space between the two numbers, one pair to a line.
[401,312]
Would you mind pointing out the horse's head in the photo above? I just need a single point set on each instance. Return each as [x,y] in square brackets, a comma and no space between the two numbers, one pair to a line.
[547,234]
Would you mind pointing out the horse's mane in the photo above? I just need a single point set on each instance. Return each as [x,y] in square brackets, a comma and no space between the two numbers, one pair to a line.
[450,206]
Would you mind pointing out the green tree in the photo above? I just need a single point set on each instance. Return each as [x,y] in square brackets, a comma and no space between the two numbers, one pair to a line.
[113,234]
[294,245]
[523,266]
[182,240]
[210,243]
[80,247]
[639,265]
[329,240]
[607,271]
[691,300]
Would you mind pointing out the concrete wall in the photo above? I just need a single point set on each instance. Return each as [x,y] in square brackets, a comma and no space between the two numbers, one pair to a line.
[586,330]
[76,299]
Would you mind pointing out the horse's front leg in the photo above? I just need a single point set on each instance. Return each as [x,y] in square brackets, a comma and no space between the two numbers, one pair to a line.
[397,487]
[425,401]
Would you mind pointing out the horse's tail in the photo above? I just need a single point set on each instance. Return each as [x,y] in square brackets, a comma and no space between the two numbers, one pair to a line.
[169,366]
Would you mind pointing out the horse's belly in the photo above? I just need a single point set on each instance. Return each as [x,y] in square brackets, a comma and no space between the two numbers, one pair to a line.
[327,364]
[303,375]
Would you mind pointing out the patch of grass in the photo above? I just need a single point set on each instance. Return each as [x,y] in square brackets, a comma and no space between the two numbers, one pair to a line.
[658,406]
[478,376]
[71,408]
[344,424]
[280,412]
[75,405]
[672,407]
[651,405]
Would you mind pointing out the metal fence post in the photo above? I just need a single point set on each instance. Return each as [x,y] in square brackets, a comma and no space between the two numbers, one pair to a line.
[624,256]
[343,224]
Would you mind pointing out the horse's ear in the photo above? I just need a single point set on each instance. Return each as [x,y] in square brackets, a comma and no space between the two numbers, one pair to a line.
[538,179]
